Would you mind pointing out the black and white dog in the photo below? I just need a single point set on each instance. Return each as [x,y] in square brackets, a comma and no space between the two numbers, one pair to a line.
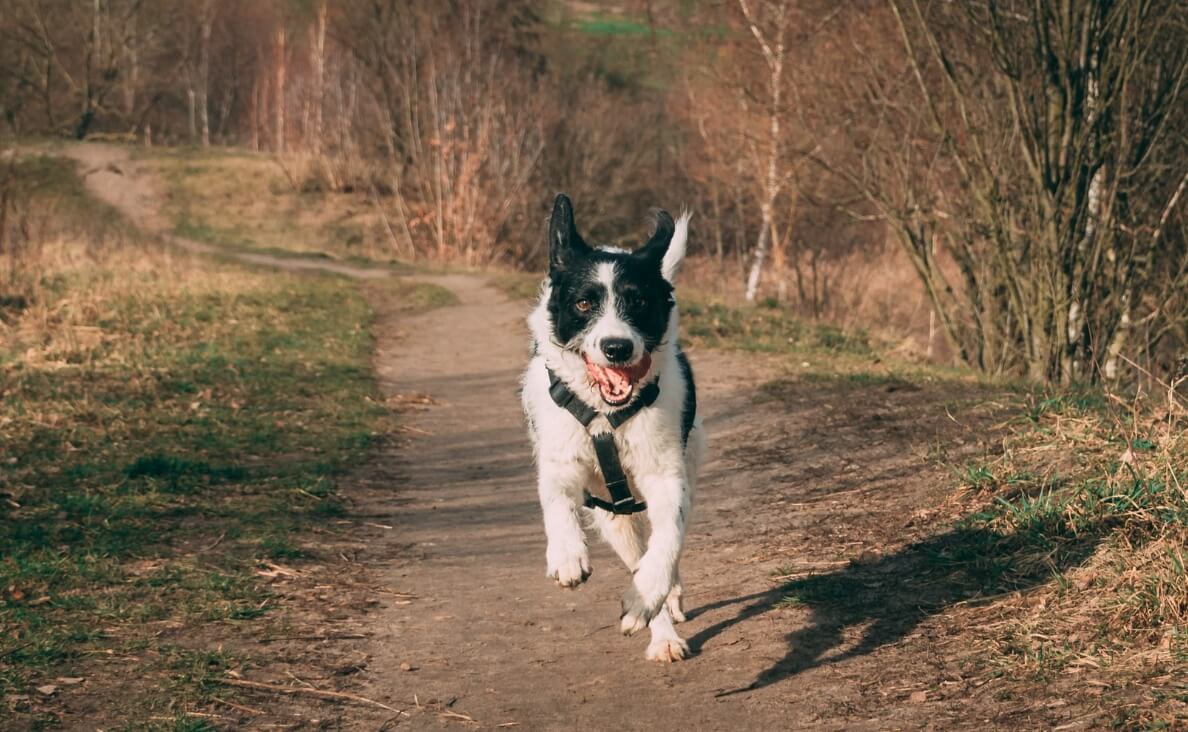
[611,408]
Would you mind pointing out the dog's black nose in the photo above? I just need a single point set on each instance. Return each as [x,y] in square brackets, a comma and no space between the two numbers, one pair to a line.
[617,350]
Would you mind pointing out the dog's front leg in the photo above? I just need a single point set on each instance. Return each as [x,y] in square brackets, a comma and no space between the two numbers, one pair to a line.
[668,499]
[566,556]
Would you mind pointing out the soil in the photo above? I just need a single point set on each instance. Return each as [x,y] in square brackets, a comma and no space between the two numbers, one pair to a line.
[441,615]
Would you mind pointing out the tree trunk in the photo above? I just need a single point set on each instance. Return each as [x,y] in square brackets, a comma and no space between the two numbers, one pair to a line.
[255,116]
[319,76]
[191,96]
[772,181]
[204,73]
[759,256]
[132,77]
[279,142]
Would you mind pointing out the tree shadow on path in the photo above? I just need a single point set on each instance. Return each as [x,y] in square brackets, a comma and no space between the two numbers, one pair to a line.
[893,594]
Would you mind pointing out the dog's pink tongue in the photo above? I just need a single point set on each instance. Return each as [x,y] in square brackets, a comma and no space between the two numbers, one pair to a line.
[619,380]
[616,382]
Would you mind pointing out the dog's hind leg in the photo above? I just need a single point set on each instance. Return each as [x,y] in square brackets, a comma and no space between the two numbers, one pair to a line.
[624,534]
[674,603]
[694,452]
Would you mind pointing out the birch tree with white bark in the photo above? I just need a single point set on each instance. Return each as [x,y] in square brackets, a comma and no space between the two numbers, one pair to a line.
[767,21]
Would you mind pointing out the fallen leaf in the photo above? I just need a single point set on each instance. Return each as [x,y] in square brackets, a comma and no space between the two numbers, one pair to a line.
[48,689]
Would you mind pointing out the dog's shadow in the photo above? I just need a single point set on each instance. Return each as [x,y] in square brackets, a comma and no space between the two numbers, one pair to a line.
[893,594]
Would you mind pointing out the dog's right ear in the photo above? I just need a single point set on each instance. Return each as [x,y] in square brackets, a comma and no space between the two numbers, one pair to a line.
[565,244]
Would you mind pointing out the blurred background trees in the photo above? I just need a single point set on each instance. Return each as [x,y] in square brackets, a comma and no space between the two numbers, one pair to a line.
[1001,181]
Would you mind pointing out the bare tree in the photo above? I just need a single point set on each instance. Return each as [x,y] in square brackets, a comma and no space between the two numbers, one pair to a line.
[278,105]
[768,23]
[1049,215]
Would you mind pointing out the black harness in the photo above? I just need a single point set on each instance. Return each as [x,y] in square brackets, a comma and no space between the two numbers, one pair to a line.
[622,501]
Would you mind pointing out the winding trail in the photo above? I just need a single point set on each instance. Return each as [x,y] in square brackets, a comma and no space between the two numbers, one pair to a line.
[825,480]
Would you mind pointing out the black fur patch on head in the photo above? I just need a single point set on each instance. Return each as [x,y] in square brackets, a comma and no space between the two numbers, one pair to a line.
[642,297]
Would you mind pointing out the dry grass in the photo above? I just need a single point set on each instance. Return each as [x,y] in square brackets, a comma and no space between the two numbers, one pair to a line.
[294,205]
[876,292]
[1093,491]
[158,458]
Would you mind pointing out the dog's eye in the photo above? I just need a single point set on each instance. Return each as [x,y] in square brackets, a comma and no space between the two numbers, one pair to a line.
[583,306]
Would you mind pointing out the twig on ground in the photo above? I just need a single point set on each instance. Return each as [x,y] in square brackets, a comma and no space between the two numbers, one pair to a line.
[337,696]
[11,651]
[240,707]
[333,636]
[597,630]
[213,545]
[458,716]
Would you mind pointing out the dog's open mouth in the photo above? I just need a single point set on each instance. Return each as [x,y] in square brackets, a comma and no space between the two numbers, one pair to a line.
[617,383]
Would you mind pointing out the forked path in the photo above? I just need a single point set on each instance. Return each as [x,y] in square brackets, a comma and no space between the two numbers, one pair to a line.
[824,481]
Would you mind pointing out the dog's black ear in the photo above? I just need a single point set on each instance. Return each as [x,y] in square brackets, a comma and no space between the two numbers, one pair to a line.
[653,252]
[565,244]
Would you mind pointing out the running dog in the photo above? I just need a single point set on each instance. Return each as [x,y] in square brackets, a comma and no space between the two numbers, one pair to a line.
[612,413]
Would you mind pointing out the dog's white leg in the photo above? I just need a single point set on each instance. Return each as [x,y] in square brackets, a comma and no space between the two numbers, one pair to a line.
[693,455]
[669,501]
[666,646]
[567,559]
[673,603]
[624,534]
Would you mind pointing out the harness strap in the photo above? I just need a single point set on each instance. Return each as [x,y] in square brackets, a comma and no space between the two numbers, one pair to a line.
[617,485]
[568,401]
[647,397]
[612,471]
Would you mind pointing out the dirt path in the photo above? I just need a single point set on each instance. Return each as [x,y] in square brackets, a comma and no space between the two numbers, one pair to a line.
[825,482]
[114,177]
[840,477]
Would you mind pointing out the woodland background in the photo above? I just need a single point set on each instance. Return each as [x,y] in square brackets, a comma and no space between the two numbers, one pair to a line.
[998,183]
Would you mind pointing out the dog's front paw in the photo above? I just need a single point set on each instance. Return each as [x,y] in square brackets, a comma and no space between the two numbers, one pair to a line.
[636,612]
[667,650]
[571,571]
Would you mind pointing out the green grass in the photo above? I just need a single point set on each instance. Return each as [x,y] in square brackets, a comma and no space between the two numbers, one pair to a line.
[764,328]
[202,427]
[216,429]
[608,25]
[1088,506]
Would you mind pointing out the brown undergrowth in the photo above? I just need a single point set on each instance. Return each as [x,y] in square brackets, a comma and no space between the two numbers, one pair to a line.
[1090,492]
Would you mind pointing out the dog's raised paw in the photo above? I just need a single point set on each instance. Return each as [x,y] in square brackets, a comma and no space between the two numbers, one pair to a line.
[667,650]
[635,616]
[572,572]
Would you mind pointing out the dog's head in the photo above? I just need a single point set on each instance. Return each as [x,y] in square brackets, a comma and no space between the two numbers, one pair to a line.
[611,306]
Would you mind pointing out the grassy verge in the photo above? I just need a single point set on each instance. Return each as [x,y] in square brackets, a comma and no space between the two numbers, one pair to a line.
[248,201]
[1068,569]
[170,426]
[1091,493]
